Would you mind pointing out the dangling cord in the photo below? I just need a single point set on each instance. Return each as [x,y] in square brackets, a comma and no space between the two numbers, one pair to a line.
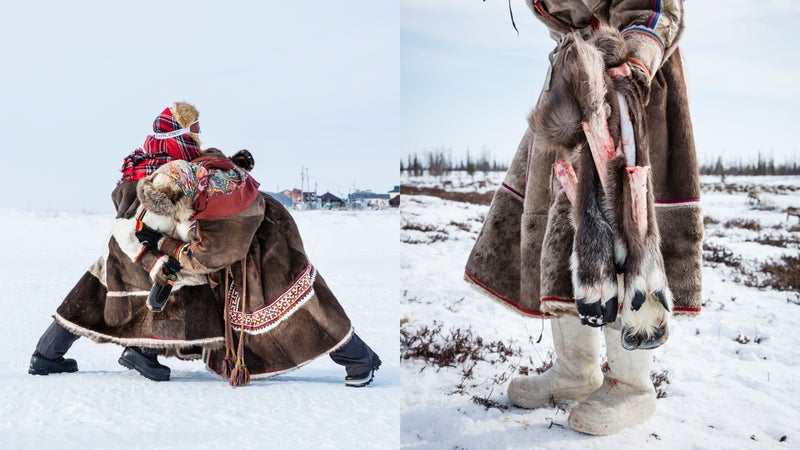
[541,331]
[230,354]
[240,376]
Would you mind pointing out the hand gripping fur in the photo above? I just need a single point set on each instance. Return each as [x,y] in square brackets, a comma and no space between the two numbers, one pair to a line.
[596,121]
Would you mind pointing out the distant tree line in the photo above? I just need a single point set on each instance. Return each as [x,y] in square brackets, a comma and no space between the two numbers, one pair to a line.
[440,162]
[761,166]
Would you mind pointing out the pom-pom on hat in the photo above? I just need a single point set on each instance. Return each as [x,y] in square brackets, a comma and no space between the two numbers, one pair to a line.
[176,120]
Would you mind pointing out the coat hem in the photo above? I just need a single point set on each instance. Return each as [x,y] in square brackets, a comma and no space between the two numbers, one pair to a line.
[264,375]
[482,288]
[135,342]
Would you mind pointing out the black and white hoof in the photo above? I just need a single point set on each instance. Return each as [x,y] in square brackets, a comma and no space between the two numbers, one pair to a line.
[644,341]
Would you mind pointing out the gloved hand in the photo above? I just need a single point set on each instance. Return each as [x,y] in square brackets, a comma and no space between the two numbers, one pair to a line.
[244,159]
[148,237]
[169,272]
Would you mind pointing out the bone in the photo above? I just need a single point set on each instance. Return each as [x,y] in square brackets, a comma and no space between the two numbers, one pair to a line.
[600,143]
[566,176]
[627,139]
[637,177]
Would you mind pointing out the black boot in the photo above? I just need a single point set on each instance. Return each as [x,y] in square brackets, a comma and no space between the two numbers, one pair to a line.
[145,361]
[49,355]
[359,360]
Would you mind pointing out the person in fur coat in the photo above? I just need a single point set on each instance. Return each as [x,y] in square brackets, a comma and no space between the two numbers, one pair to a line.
[175,136]
[106,304]
[597,225]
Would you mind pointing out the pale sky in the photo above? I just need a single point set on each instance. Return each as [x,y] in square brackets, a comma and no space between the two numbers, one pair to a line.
[312,84]
[469,81]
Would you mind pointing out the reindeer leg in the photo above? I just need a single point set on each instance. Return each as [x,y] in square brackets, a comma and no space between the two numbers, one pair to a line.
[594,277]
[647,300]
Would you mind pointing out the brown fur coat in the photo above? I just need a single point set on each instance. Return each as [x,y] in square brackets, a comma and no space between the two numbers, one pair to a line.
[290,316]
[522,255]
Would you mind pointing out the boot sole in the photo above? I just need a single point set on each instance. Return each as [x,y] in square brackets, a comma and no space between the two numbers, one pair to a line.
[127,364]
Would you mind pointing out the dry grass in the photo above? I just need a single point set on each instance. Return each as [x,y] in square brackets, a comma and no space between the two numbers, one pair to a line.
[466,197]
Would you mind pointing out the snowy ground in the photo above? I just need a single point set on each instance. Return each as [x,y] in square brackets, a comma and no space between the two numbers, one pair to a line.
[107,406]
[727,377]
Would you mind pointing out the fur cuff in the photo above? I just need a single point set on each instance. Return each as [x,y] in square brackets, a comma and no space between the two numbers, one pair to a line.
[155,269]
[646,47]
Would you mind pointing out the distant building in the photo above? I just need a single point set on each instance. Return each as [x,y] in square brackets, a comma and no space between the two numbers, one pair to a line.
[296,195]
[330,201]
[369,200]
[285,201]
[394,192]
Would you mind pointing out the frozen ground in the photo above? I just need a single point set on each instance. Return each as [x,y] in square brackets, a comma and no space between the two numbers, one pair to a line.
[727,377]
[106,406]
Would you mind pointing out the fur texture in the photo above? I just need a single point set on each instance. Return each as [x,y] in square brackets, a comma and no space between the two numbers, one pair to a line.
[184,113]
[108,303]
[159,194]
[497,265]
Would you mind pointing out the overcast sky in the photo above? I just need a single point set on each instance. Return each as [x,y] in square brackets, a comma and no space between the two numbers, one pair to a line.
[312,84]
[469,81]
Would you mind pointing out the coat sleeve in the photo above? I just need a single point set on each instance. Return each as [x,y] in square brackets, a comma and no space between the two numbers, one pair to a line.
[562,16]
[651,29]
[216,244]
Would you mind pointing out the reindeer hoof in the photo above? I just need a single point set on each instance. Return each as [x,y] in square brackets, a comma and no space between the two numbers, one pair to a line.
[638,300]
[591,314]
[611,308]
[633,341]
[662,299]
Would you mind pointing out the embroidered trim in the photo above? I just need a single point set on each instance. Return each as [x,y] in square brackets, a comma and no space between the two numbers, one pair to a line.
[656,14]
[269,316]
[640,65]
[646,32]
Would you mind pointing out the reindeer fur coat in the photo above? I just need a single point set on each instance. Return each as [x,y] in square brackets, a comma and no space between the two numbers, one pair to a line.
[288,313]
[522,256]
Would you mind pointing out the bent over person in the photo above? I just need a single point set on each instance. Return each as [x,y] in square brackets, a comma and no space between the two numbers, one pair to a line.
[247,294]
[597,225]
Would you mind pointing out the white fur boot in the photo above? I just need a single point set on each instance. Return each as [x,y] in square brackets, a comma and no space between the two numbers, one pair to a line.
[575,373]
[627,396]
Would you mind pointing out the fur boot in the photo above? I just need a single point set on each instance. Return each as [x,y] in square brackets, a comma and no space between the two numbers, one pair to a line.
[575,373]
[627,396]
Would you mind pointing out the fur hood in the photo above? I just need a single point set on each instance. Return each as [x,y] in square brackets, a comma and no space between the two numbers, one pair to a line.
[160,195]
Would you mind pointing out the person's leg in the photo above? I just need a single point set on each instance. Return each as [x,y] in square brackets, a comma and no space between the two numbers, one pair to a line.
[50,350]
[575,374]
[627,396]
[145,361]
[359,360]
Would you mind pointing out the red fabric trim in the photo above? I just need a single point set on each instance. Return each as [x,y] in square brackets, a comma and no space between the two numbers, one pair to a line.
[154,263]
[141,252]
[692,310]
[505,300]
[513,191]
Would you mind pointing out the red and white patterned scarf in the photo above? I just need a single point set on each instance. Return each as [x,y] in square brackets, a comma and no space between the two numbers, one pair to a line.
[156,152]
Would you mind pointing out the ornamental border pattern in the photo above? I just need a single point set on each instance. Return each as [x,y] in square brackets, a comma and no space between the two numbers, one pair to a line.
[269,316]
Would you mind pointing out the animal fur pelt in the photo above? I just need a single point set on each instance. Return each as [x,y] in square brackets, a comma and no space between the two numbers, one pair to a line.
[583,118]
